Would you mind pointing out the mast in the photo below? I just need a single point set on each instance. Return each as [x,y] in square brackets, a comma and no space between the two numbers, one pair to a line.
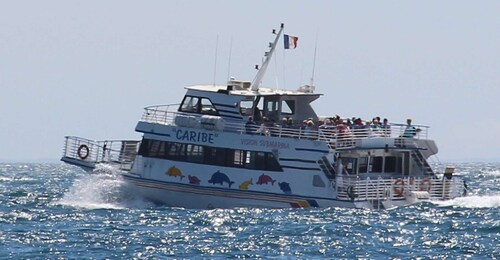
[262,71]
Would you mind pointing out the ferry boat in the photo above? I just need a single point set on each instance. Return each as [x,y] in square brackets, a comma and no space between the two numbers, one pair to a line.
[227,146]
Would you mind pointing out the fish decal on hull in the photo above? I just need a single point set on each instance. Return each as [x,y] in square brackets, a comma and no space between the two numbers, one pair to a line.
[219,178]
[175,172]
[285,187]
[193,180]
[265,179]
[245,184]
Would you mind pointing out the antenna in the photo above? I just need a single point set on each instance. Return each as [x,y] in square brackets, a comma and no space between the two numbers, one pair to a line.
[314,61]
[229,62]
[215,65]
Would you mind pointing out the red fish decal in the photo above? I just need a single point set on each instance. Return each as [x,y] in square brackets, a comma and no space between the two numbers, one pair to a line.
[264,179]
[193,180]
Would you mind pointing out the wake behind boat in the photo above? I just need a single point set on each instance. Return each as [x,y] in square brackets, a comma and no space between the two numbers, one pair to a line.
[244,145]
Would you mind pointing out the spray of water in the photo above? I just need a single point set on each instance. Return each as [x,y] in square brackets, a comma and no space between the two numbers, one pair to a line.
[104,188]
[487,201]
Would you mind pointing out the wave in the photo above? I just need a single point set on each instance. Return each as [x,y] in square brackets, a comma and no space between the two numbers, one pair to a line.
[495,173]
[104,188]
[487,201]
[5,179]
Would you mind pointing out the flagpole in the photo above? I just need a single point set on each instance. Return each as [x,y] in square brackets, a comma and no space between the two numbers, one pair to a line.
[284,75]
[262,71]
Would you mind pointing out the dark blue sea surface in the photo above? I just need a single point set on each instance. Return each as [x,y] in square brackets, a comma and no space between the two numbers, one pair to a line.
[52,211]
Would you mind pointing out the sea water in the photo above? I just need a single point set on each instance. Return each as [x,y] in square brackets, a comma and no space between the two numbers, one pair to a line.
[52,211]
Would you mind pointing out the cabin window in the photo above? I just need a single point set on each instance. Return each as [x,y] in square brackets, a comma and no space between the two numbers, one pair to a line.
[349,165]
[272,110]
[318,182]
[190,104]
[249,161]
[390,164]
[255,160]
[260,160]
[157,148]
[176,151]
[197,105]
[246,107]
[207,107]
[288,107]
[144,148]
[194,153]
[376,164]
[214,156]
[271,163]
[238,158]
[363,164]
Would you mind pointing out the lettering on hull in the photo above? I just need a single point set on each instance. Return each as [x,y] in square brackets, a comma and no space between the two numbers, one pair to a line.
[194,136]
[265,143]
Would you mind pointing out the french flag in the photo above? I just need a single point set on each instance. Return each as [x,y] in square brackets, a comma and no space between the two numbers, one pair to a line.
[290,41]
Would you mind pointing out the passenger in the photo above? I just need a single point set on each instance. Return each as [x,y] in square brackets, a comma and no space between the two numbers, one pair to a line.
[264,127]
[386,128]
[410,130]
[342,129]
[250,126]
[349,123]
[286,126]
[303,126]
[358,127]
[375,128]
[327,124]
[327,129]
[309,129]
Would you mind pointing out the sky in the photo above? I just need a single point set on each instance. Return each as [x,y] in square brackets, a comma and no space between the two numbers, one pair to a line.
[88,68]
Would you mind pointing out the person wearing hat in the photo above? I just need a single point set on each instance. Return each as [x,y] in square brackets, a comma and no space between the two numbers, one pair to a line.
[308,128]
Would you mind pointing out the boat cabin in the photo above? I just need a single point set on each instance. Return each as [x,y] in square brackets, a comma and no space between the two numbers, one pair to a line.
[237,102]
[383,163]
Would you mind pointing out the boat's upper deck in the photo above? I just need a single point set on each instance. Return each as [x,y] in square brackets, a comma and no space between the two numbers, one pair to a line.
[365,137]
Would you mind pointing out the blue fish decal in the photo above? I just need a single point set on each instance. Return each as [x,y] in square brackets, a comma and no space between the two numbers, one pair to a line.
[219,178]
[285,187]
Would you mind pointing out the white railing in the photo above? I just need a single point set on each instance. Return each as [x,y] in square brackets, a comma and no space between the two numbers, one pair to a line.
[166,115]
[351,188]
[120,152]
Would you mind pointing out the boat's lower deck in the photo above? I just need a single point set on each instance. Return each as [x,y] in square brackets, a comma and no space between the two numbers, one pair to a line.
[190,196]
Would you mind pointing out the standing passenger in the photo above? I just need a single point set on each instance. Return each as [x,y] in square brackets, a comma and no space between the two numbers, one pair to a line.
[410,130]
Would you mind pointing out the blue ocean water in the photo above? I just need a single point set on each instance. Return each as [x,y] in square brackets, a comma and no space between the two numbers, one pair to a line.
[52,211]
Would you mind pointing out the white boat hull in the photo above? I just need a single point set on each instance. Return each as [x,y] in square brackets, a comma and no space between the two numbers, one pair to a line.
[200,197]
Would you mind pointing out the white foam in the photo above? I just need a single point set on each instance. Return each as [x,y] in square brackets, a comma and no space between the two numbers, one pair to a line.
[495,173]
[102,189]
[488,201]
[5,179]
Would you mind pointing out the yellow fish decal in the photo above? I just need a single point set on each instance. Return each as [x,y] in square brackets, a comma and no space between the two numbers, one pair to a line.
[245,184]
[175,172]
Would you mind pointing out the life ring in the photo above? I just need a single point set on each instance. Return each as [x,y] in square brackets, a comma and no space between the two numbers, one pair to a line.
[83,155]
[425,184]
[351,193]
[398,187]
